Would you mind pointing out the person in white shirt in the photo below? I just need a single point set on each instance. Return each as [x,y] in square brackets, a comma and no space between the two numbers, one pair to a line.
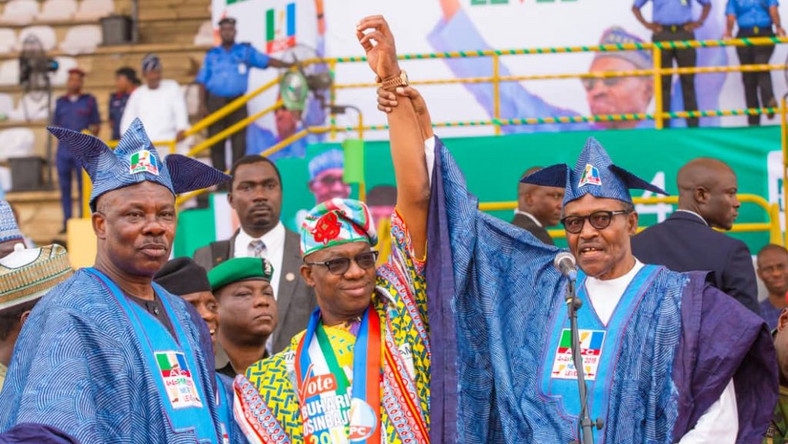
[256,196]
[159,103]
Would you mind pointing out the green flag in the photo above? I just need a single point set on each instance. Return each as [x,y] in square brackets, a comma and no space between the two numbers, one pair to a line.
[354,160]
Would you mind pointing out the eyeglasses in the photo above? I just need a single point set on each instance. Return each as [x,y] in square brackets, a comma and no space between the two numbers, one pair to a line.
[598,219]
[589,82]
[340,265]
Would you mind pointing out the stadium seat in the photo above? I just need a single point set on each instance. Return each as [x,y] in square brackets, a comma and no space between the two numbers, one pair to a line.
[7,40]
[9,72]
[59,77]
[20,12]
[205,34]
[57,10]
[16,142]
[32,106]
[94,9]
[6,105]
[45,34]
[81,39]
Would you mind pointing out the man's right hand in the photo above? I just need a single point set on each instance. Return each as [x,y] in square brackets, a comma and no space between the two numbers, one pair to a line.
[382,54]
[655,27]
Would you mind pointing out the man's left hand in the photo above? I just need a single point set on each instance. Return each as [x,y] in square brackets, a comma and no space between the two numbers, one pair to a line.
[382,54]
[180,136]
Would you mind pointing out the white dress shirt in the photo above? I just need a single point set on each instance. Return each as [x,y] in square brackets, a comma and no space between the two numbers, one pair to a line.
[720,423]
[274,242]
[162,111]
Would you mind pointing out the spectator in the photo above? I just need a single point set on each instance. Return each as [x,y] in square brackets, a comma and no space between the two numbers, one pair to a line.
[125,83]
[223,78]
[256,196]
[672,20]
[686,240]
[538,207]
[78,112]
[773,271]
[755,19]
[247,308]
[25,276]
[183,277]
[159,104]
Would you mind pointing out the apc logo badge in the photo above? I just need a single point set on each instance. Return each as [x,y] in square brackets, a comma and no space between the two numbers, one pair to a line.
[143,161]
[590,176]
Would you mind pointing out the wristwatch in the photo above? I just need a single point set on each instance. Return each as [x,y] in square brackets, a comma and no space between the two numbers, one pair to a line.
[393,82]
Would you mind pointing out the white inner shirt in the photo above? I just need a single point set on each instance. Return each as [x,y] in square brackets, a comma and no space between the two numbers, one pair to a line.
[274,242]
[720,423]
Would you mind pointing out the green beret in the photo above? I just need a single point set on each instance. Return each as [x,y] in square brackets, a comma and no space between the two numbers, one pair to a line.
[240,269]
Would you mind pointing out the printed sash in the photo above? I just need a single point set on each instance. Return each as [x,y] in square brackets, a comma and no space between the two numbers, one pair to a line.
[172,364]
[329,413]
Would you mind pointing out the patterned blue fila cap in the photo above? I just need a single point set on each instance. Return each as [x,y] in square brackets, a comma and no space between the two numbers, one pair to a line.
[594,174]
[134,160]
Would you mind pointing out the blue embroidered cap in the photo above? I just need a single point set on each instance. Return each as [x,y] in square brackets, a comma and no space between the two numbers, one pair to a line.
[9,229]
[135,160]
[619,36]
[325,161]
[594,174]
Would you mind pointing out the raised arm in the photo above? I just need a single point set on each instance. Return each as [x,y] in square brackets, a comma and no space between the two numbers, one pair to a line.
[407,141]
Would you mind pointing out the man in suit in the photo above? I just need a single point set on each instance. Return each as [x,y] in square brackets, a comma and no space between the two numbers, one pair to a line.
[256,196]
[538,207]
[686,240]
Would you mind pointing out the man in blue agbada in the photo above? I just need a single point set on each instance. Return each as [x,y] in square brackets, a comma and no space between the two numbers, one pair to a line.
[667,358]
[108,356]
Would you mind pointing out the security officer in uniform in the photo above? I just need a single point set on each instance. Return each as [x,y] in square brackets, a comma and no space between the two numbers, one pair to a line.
[75,111]
[672,20]
[755,19]
[126,82]
[223,78]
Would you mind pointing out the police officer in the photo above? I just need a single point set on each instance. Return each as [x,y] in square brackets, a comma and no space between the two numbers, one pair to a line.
[755,19]
[223,78]
[126,82]
[672,20]
[75,111]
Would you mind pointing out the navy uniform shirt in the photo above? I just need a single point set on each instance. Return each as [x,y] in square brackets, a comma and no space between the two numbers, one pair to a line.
[671,12]
[78,114]
[751,13]
[117,103]
[226,73]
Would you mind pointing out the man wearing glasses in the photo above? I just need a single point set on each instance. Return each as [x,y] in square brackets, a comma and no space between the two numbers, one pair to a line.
[666,357]
[360,371]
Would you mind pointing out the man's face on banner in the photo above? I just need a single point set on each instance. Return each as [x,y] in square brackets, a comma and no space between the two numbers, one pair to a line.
[617,95]
[328,184]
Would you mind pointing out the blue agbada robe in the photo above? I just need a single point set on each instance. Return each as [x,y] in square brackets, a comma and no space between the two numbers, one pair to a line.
[78,373]
[492,291]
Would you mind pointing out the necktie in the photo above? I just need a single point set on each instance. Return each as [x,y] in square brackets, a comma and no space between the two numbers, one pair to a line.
[257,248]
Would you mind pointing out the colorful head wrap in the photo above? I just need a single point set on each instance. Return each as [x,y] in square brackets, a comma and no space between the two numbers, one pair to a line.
[240,269]
[135,160]
[9,230]
[594,174]
[28,274]
[335,222]
[325,161]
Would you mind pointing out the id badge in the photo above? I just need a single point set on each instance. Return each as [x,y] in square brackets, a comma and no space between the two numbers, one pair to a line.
[242,69]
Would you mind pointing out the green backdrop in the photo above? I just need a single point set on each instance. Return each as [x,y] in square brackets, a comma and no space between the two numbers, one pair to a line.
[493,165]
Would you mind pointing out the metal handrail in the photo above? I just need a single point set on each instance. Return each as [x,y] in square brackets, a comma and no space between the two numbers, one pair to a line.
[772,226]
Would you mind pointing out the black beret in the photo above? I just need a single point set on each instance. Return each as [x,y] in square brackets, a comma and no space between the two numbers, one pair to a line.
[182,276]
